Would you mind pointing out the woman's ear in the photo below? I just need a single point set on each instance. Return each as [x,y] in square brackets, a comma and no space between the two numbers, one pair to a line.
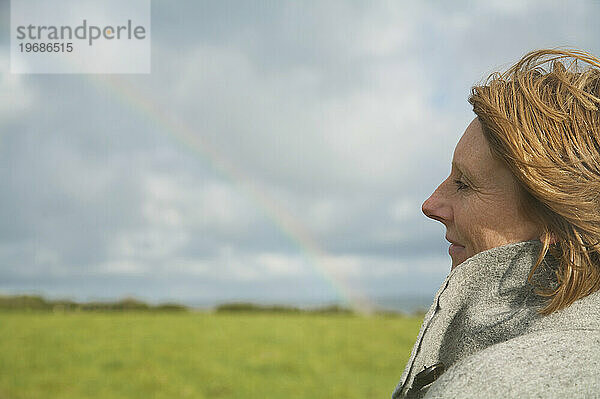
[551,237]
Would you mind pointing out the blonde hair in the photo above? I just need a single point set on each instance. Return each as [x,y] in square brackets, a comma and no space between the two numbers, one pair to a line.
[544,123]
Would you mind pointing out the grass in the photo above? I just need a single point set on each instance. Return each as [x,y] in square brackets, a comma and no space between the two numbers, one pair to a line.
[201,355]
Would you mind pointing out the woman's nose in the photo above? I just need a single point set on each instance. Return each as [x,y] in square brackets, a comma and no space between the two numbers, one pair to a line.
[435,208]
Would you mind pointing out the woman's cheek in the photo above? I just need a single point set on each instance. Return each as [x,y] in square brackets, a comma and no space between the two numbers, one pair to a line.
[474,239]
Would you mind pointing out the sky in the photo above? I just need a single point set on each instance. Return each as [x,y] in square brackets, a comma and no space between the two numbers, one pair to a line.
[278,152]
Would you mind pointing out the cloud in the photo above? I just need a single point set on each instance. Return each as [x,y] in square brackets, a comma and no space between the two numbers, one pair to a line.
[17,95]
[290,128]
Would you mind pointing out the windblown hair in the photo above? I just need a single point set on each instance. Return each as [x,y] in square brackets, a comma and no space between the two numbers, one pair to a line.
[542,118]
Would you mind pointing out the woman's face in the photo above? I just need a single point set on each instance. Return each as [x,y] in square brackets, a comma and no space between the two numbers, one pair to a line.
[479,202]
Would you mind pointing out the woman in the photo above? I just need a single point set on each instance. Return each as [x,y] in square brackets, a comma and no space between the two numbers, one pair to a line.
[519,313]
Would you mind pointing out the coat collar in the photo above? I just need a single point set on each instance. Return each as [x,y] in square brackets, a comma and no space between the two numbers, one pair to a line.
[485,300]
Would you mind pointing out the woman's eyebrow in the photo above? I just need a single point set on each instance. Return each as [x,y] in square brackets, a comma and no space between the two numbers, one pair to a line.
[458,166]
[461,168]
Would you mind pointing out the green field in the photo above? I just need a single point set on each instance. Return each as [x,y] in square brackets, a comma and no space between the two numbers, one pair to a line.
[201,355]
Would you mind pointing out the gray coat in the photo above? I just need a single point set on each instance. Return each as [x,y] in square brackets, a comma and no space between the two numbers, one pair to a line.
[484,327]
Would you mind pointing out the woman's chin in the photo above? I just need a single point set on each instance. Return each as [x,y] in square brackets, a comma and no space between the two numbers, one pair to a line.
[458,254]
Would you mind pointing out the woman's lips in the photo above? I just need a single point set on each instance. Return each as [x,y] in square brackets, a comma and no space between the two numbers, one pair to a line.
[455,249]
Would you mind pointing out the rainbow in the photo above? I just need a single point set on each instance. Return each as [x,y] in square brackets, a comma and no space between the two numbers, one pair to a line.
[282,219]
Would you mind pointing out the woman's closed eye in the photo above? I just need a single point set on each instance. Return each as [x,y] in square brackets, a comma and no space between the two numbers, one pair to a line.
[460,185]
